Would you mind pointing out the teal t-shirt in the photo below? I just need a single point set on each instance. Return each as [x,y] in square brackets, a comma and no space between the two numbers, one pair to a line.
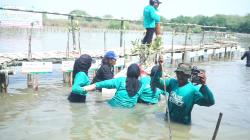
[121,97]
[80,80]
[150,17]
[182,99]
[148,95]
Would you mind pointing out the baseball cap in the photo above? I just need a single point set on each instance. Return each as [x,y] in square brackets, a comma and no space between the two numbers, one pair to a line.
[111,55]
[185,68]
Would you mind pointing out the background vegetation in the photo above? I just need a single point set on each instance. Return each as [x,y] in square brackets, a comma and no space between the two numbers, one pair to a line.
[233,23]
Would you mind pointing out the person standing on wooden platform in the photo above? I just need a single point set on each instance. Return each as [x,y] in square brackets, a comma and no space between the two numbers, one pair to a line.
[151,20]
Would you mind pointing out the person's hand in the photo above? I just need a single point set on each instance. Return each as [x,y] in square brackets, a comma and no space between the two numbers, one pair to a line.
[160,60]
[203,77]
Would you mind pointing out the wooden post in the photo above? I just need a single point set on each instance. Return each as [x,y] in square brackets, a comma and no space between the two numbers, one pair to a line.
[213,55]
[217,126]
[67,49]
[104,37]
[172,45]
[35,82]
[73,32]
[29,76]
[79,41]
[121,33]
[3,81]
[185,52]
[202,39]
[225,53]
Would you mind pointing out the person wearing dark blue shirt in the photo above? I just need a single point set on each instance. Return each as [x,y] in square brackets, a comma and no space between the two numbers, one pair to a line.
[247,55]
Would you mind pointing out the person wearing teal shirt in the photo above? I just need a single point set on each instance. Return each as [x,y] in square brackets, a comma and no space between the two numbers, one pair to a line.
[80,78]
[150,19]
[128,89]
[183,95]
[150,94]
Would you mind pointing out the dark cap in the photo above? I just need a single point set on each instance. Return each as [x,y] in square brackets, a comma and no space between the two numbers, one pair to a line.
[154,1]
[185,68]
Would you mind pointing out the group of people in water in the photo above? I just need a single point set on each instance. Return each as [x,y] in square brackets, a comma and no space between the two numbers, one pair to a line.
[183,92]
[139,87]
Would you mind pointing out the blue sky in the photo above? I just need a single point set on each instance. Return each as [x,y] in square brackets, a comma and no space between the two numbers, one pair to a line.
[132,9]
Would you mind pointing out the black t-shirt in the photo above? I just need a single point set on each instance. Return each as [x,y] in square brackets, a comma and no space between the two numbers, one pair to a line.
[246,54]
[105,72]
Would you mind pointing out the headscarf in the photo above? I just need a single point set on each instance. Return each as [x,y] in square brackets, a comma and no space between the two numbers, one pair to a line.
[83,64]
[132,82]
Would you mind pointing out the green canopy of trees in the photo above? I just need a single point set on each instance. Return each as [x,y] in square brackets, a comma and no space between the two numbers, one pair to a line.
[233,23]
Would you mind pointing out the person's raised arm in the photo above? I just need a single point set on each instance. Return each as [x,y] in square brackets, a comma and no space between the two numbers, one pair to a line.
[157,81]
[207,98]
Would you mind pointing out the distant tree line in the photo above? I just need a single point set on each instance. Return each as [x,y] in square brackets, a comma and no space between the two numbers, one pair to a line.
[233,23]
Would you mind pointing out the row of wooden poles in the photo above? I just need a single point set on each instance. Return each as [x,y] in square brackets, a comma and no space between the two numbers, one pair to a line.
[75,33]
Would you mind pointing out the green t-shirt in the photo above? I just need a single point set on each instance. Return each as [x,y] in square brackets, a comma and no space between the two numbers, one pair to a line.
[182,99]
[121,97]
[148,95]
[80,80]
[150,17]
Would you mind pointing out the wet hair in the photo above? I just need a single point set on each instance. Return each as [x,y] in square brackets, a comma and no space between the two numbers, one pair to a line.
[153,74]
[82,64]
[132,83]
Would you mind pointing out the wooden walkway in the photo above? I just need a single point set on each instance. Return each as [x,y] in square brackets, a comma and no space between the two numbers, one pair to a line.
[57,56]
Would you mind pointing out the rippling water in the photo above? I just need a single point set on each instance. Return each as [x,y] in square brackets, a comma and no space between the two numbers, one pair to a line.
[47,114]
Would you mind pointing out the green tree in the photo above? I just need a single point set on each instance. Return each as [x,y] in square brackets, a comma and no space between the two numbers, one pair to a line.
[80,13]
[107,16]
[245,25]
[181,19]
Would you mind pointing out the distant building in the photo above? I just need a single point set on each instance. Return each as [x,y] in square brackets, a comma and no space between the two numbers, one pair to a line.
[20,19]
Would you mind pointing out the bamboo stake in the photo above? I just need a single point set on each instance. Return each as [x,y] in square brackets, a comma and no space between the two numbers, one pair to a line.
[217,126]
[167,99]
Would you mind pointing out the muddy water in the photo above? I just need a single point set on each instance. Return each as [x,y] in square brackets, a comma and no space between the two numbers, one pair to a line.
[47,114]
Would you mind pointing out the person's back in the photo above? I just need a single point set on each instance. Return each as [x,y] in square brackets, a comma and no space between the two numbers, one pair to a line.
[150,17]
[121,98]
[80,78]
[247,55]
[150,94]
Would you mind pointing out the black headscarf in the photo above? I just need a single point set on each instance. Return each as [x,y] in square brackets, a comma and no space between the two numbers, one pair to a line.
[83,64]
[132,82]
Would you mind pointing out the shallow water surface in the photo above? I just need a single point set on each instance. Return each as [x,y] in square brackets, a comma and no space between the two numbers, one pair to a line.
[47,114]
